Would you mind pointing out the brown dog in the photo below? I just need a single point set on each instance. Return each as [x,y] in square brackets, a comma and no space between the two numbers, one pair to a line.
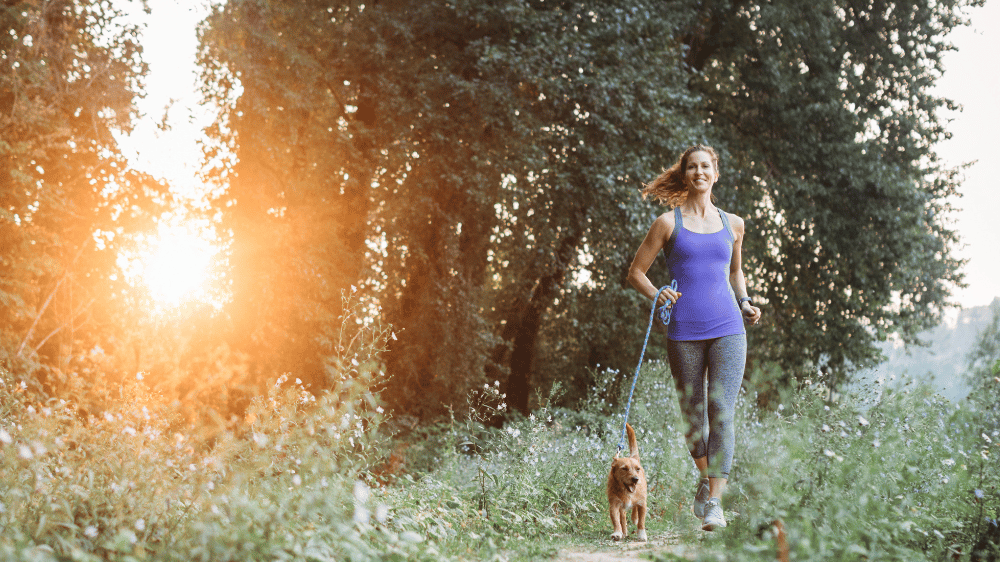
[627,491]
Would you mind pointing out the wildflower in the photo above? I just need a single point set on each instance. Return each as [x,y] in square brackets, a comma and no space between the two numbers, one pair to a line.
[382,513]
[829,453]
[979,494]
[31,409]
[987,438]
[5,437]
[297,480]
[948,462]
[90,531]
[138,377]
[24,451]
[140,525]
[361,492]
[129,430]
[862,421]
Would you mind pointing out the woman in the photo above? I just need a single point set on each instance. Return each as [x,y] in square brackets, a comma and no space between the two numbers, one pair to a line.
[706,337]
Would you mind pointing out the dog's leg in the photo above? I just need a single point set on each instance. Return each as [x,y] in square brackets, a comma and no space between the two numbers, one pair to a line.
[639,518]
[616,521]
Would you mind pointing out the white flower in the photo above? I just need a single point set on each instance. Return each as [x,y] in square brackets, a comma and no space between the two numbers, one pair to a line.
[140,525]
[138,377]
[361,492]
[297,480]
[5,437]
[129,430]
[382,513]
[90,531]
[829,453]
[24,451]
[948,462]
[862,421]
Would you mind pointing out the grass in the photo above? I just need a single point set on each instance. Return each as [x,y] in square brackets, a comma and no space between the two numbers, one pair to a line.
[888,472]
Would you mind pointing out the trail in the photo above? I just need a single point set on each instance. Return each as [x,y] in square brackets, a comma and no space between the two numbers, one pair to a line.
[628,550]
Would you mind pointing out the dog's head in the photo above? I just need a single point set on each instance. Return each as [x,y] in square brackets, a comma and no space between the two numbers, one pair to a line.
[626,471]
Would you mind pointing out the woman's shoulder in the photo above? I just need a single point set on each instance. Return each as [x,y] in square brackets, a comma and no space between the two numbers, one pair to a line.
[736,221]
[663,226]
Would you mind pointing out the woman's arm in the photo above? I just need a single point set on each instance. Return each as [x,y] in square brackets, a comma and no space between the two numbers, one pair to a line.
[736,277]
[658,234]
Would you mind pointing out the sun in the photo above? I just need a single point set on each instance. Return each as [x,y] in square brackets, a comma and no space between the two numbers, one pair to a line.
[176,265]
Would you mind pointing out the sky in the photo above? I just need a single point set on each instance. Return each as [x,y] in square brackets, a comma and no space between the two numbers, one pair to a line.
[972,79]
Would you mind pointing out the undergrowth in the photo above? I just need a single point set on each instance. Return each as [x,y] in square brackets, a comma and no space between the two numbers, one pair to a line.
[890,472]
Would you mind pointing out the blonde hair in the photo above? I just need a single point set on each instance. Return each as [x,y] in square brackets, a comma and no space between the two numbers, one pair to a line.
[669,188]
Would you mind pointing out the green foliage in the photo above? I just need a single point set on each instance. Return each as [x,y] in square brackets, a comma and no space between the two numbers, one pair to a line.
[69,74]
[828,124]
[474,166]
[891,473]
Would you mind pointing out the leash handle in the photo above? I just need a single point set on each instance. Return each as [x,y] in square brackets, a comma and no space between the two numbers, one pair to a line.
[664,316]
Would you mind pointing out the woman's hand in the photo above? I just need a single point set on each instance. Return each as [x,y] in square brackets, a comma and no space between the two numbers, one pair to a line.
[668,294]
[750,312]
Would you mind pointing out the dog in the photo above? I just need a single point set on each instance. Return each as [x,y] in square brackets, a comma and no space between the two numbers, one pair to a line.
[627,491]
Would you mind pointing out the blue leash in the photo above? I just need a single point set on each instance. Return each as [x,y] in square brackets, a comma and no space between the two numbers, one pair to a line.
[664,317]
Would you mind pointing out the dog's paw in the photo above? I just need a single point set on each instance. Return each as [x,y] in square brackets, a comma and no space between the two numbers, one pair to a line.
[616,536]
[640,535]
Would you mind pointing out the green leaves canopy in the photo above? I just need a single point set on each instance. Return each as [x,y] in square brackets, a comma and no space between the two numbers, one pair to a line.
[69,72]
[476,165]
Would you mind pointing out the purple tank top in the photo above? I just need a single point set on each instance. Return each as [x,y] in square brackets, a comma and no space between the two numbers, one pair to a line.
[700,263]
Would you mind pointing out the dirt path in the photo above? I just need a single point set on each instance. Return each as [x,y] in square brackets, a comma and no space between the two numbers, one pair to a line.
[629,550]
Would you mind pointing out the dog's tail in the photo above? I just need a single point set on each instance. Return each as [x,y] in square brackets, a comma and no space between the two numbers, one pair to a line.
[633,446]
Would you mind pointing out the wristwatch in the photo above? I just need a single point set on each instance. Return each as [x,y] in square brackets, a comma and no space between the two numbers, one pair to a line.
[745,299]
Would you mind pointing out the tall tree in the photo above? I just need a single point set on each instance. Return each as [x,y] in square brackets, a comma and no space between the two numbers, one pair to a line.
[476,167]
[69,73]
[477,151]
[830,125]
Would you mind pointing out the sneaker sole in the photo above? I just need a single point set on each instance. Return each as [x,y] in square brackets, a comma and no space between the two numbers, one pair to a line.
[712,526]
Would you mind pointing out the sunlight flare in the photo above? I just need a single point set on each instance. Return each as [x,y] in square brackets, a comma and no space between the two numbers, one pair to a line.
[176,265]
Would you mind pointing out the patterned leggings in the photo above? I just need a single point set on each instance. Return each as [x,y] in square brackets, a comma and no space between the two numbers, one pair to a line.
[722,360]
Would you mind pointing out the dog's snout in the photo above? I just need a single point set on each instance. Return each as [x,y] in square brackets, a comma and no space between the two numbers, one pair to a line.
[635,479]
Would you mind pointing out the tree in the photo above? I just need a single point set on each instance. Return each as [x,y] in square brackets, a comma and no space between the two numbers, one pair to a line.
[828,126]
[488,146]
[69,73]
[476,167]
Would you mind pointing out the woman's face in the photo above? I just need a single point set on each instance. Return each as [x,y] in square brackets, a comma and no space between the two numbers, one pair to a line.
[699,172]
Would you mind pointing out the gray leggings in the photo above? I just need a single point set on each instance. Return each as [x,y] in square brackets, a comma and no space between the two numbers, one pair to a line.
[722,360]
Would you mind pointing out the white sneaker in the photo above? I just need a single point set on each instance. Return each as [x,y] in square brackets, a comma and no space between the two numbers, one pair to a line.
[700,499]
[714,519]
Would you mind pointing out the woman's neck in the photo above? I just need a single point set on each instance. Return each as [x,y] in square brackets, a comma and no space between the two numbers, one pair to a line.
[698,204]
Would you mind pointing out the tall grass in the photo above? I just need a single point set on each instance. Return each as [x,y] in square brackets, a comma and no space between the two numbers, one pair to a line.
[889,472]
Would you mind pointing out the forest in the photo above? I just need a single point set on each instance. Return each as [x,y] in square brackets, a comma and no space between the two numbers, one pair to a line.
[420,321]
